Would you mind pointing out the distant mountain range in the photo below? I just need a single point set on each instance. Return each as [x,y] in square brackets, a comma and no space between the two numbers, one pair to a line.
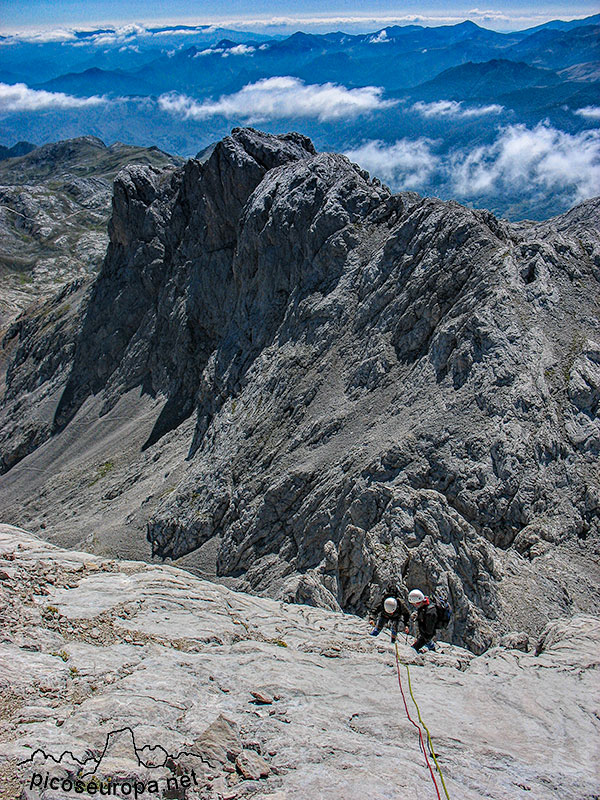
[433,94]
[395,57]
[535,91]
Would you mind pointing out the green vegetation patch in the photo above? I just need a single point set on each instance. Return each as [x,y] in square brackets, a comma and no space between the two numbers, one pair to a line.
[61,654]
[102,471]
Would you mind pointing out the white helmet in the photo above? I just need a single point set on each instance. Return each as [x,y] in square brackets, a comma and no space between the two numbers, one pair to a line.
[390,605]
[416,597]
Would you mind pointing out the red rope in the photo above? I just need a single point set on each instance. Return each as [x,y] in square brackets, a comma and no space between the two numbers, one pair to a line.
[423,748]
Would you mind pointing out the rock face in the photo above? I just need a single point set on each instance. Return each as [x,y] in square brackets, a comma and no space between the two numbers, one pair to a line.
[18,149]
[139,673]
[54,206]
[359,387]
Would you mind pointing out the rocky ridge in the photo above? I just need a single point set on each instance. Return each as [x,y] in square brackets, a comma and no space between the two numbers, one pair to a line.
[316,387]
[18,149]
[115,664]
[54,207]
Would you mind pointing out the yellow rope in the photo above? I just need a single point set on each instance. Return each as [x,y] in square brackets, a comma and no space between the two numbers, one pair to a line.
[428,734]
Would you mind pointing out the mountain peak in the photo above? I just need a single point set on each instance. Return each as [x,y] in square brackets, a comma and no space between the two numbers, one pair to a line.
[260,313]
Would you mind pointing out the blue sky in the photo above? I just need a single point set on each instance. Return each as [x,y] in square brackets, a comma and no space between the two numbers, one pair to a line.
[286,15]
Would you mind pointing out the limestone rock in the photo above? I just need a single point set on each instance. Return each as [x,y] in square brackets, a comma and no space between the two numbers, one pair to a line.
[54,206]
[262,698]
[219,743]
[156,711]
[251,766]
[315,387]
[515,640]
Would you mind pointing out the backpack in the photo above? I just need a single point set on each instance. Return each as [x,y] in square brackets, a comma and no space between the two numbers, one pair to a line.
[444,614]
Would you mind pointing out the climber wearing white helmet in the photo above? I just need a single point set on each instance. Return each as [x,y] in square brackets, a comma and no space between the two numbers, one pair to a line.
[390,610]
[428,619]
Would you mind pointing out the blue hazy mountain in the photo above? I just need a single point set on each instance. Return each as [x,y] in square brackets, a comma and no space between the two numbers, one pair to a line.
[441,92]
[562,25]
[485,81]
[393,58]
[556,49]
[96,81]
[108,49]
[535,92]
[18,149]
[204,71]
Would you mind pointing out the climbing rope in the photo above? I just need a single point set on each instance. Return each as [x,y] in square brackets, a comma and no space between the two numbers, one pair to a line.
[432,751]
[423,748]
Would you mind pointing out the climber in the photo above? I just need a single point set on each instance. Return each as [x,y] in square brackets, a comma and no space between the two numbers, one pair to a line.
[431,615]
[390,610]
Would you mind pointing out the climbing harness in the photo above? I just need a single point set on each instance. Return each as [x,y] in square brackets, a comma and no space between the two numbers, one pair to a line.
[421,741]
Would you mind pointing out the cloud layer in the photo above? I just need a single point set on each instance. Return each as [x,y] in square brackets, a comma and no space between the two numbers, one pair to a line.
[19,97]
[450,108]
[521,162]
[237,50]
[277,98]
[522,158]
[589,112]
[407,164]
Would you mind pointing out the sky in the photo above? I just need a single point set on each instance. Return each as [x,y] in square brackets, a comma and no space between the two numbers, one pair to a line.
[285,16]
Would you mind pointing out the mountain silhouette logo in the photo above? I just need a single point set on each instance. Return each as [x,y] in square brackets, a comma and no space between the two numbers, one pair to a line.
[119,744]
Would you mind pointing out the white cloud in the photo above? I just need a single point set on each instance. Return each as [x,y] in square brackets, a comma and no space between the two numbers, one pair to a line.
[407,164]
[367,22]
[120,34]
[189,31]
[19,97]
[42,37]
[279,97]
[117,36]
[236,50]
[381,37]
[589,112]
[450,108]
[537,159]
[526,162]
[240,50]
[488,14]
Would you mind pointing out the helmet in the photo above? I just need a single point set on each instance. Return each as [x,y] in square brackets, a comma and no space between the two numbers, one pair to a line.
[390,604]
[416,597]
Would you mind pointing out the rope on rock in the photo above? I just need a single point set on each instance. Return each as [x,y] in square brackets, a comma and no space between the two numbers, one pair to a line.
[422,743]
[427,729]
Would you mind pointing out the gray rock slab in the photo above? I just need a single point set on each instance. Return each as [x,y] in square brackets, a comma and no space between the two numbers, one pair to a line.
[503,723]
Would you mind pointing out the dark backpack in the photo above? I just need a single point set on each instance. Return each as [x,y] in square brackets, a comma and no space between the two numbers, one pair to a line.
[444,614]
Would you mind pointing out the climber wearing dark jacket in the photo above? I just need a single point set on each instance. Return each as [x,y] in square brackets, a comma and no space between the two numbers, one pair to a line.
[390,610]
[427,619]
